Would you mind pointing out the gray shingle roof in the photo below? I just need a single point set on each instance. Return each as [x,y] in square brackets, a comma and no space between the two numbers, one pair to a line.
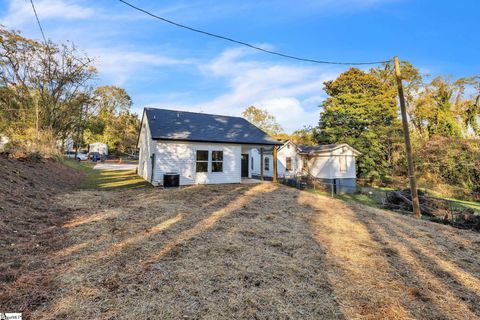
[318,148]
[200,127]
[323,148]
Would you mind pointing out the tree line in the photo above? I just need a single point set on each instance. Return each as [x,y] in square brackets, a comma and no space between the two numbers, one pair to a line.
[362,110]
[47,95]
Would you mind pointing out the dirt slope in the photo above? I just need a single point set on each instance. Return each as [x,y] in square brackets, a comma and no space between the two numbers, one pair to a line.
[30,224]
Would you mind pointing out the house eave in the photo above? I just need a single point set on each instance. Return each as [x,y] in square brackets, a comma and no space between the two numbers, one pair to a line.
[355,151]
[219,141]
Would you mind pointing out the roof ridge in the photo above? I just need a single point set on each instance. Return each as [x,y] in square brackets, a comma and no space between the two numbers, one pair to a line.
[207,114]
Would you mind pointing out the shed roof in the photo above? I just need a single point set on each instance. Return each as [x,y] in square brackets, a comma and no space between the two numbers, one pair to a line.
[324,148]
[201,127]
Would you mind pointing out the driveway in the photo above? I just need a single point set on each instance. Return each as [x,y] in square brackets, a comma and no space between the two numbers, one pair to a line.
[115,166]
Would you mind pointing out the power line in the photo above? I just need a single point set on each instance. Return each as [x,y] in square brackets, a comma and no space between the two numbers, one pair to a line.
[247,44]
[38,21]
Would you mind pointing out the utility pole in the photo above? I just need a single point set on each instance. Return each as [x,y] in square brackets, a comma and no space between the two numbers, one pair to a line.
[408,146]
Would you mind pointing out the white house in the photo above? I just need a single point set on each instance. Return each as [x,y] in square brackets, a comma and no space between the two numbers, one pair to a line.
[200,148]
[332,163]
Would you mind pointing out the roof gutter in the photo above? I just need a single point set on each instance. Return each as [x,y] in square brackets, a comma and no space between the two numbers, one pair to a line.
[217,141]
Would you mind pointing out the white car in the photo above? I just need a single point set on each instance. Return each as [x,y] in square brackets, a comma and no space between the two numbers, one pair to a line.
[80,156]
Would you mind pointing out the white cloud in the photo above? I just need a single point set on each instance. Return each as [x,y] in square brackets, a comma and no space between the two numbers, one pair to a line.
[290,92]
[290,112]
[121,64]
[20,11]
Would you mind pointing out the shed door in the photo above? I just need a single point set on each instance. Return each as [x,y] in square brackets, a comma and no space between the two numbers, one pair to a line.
[244,165]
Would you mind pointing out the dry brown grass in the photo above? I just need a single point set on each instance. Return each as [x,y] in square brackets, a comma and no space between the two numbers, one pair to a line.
[384,265]
[256,252]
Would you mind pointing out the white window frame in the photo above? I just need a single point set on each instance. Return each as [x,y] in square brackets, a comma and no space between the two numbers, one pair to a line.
[291,163]
[212,161]
[266,163]
[207,161]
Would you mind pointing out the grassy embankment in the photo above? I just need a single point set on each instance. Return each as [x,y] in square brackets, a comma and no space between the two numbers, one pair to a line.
[107,179]
[372,196]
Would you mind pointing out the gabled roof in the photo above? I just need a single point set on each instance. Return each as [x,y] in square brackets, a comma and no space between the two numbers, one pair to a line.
[289,142]
[325,148]
[200,127]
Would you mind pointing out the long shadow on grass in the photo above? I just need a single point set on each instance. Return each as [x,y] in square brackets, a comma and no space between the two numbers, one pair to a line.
[442,271]
[378,271]
[216,251]
[119,242]
[418,299]
[361,276]
[461,259]
[429,277]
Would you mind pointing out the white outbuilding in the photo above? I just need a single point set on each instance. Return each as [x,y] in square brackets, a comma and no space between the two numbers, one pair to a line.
[332,164]
[99,147]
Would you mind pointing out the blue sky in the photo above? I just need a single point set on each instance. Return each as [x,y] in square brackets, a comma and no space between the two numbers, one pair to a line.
[163,66]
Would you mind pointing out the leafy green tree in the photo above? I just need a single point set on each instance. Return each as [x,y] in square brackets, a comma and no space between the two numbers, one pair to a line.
[413,86]
[112,121]
[262,119]
[450,163]
[361,110]
[304,136]
[468,108]
[43,89]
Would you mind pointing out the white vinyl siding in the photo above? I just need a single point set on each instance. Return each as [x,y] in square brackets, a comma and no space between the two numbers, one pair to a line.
[180,157]
[324,165]
[342,163]
[327,165]
[146,146]
[282,155]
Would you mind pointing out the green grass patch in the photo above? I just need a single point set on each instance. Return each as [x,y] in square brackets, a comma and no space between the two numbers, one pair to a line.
[372,196]
[368,196]
[457,203]
[107,179]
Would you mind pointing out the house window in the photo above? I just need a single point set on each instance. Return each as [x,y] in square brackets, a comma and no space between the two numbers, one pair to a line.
[217,161]
[289,163]
[343,163]
[267,164]
[202,161]
[251,162]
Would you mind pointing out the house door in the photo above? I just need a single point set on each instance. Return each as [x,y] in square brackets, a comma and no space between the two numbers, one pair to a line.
[244,165]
